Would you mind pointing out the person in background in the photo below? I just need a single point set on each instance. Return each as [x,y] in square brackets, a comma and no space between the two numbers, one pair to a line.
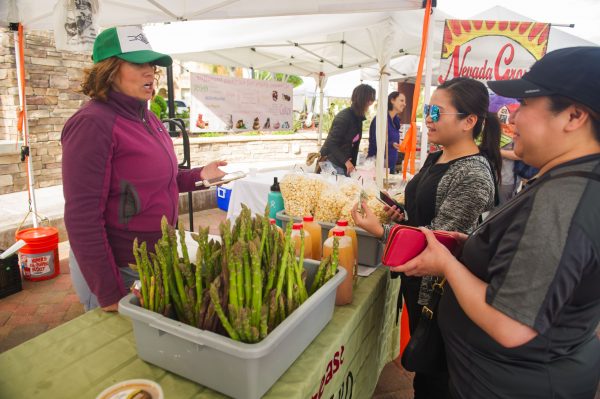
[396,105]
[450,192]
[340,149]
[522,303]
[504,108]
[119,167]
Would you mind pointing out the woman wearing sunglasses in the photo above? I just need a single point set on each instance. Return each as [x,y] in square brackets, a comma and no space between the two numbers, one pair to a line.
[450,192]
[520,312]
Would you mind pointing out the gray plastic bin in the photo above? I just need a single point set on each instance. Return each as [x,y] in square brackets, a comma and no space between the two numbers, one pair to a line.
[233,368]
[370,249]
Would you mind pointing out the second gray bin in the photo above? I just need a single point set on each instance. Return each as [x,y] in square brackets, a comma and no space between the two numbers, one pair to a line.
[370,248]
[234,368]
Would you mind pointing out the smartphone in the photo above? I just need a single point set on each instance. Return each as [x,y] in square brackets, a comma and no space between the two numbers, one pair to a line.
[389,201]
[221,180]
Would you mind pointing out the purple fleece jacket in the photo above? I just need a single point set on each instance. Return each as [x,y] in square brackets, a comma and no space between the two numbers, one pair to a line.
[120,177]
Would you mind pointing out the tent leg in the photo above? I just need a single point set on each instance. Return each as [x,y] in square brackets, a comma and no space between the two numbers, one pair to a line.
[381,127]
[320,139]
[191,210]
[20,64]
[171,100]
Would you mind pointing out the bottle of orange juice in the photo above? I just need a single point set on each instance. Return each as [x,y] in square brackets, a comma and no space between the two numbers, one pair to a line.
[314,229]
[343,295]
[349,232]
[297,240]
[279,229]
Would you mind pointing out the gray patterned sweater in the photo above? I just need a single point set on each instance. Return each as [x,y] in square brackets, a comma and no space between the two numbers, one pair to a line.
[466,191]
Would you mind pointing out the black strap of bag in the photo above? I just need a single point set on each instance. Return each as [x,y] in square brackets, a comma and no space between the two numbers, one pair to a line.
[425,352]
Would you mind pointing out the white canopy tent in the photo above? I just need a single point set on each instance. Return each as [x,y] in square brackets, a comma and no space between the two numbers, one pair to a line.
[317,37]
[320,46]
[38,14]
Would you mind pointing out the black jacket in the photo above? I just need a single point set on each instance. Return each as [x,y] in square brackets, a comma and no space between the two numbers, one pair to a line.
[339,146]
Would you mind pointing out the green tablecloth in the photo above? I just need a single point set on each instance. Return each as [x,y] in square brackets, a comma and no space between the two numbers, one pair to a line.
[82,357]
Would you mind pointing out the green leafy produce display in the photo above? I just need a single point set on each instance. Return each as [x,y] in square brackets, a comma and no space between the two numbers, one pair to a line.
[243,286]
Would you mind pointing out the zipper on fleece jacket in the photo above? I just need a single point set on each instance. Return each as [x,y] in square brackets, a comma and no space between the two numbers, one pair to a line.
[149,129]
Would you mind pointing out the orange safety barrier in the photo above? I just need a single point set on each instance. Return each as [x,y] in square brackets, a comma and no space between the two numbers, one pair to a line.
[404,330]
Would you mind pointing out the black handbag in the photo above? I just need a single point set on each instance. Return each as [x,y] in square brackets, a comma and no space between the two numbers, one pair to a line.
[425,352]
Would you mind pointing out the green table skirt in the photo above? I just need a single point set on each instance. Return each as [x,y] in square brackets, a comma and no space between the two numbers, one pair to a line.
[84,356]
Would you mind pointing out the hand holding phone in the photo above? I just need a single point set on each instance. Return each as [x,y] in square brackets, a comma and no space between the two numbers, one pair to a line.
[389,201]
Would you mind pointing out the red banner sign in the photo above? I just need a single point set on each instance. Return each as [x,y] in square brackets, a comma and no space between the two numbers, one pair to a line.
[491,50]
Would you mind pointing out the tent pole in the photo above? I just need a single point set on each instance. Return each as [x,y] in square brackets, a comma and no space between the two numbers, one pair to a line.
[320,82]
[19,56]
[427,95]
[320,140]
[381,125]
[171,101]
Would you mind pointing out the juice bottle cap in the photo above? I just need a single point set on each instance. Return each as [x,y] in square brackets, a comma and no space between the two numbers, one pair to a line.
[342,223]
[308,219]
[272,221]
[297,226]
[338,233]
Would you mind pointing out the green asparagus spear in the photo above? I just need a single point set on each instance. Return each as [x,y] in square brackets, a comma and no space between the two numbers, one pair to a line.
[247,279]
[320,274]
[256,285]
[152,289]
[246,324]
[298,269]
[264,328]
[284,261]
[290,280]
[214,297]
[233,289]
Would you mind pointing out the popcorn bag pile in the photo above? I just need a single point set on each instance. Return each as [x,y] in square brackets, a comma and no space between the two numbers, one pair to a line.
[328,198]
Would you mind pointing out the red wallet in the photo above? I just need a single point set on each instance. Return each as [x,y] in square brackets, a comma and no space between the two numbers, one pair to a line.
[405,243]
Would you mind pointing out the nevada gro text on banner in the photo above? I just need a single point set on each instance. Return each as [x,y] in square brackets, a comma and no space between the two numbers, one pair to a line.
[491,50]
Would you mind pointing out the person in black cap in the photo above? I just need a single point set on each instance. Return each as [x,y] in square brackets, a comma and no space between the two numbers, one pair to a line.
[522,303]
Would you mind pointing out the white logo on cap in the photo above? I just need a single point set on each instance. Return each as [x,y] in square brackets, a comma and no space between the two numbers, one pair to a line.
[532,91]
[132,38]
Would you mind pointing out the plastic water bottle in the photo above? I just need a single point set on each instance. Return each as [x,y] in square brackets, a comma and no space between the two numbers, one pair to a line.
[275,201]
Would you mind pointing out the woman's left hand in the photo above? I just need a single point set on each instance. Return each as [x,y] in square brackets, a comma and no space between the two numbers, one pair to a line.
[212,171]
[431,262]
[396,146]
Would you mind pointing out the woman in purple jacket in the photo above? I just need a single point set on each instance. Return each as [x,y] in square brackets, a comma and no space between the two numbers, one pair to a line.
[120,173]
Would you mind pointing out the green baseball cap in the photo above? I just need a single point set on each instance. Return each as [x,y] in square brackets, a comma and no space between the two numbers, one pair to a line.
[127,43]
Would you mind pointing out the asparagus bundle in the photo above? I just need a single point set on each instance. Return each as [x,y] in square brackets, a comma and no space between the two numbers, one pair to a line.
[243,287]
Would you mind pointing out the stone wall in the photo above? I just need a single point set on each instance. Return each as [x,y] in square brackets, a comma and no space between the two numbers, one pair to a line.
[52,78]
[249,148]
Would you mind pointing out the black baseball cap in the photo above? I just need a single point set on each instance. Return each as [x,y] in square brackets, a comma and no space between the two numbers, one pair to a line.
[572,72]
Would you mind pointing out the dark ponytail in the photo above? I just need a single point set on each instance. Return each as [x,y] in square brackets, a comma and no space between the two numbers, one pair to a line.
[471,97]
[490,142]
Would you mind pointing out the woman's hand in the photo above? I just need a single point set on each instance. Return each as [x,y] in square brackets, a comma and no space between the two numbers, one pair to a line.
[349,167]
[396,146]
[431,262]
[367,220]
[212,171]
[111,308]
[395,214]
